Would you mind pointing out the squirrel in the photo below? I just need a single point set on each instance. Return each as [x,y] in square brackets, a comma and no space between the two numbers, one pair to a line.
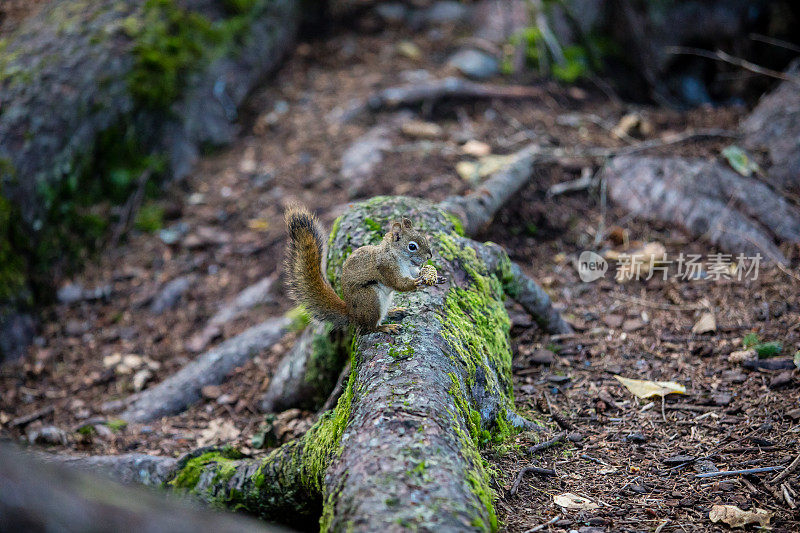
[370,275]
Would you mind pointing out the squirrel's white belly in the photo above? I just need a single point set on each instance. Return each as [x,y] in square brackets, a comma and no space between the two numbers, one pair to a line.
[385,298]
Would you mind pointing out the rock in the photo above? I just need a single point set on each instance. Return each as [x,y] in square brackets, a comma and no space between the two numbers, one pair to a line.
[50,435]
[636,438]
[613,321]
[226,399]
[741,356]
[575,436]
[170,294]
[421,130]
[632,324]
[74,328]
[722,399]
[474,64]
[704,466]
[678,459]
[140,378]
[774,125]
[16,333]
[74,292]
[445,12]
[781,380]
[543,357]
[363,156]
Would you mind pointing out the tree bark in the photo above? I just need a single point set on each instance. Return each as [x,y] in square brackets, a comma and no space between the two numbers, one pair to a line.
[36,496]
[401,448]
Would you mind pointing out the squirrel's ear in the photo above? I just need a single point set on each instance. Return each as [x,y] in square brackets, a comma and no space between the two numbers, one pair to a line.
[407,223]
[396,229]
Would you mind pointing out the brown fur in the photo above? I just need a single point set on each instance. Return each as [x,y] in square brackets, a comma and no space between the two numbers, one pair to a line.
[369,275]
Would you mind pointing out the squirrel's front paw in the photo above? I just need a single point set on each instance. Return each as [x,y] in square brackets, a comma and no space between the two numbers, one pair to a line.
[389,328]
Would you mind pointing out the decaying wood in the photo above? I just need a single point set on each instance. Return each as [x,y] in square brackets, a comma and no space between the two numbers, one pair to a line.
[306,373]
[430,92]
[181,389]
[36,496]
[416,408]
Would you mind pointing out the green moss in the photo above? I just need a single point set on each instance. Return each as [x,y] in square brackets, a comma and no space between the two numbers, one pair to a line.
[372,225]
[150,218]
[299,318]
[458,227]
[329,352]
[12,263]
[221,463]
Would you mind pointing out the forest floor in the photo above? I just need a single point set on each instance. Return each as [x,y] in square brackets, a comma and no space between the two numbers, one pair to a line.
[226,223]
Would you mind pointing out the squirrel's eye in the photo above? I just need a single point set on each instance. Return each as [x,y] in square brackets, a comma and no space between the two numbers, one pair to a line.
[412,246]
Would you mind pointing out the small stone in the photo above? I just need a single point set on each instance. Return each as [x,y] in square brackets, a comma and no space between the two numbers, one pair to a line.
[632,325]
[638,489]
[141,378]
[613,321]
[636,438]
[70,293]
[75,328]
[558,379]
[794,414]
[722,399]
[475,64]
[445,12]
[781,380]
[211,392]
[476,148]
[742,356]
[226,399]
[410,50]
[705,466]
[392,12]
[543,357]
[50,435]
[575,436]
[421,129]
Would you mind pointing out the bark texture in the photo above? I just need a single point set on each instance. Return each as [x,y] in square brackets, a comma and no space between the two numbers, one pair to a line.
[401,448]
[739,214]
[96,94]
[35,496]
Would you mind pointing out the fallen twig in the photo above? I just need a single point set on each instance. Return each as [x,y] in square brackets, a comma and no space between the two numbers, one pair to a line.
[529,470]
[27,419]
[726,473]
[560,437]
[786,471]
[737,61]
[431,91]
[542,526]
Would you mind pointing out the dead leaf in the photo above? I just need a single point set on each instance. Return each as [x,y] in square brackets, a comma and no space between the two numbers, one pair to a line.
[706,324]
[409,50]
[476,148]
[735,517]
[569,500]
[218,431]
[644,389]
[475,171]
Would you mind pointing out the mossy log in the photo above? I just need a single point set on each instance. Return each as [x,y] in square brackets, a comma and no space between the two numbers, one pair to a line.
[35,496]
[97,96]
[401,449]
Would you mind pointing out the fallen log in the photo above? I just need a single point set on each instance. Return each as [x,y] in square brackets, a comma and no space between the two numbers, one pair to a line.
[297,383]
[36,496]
[402,445]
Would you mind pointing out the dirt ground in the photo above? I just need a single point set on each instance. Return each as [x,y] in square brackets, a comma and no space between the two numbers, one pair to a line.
[621,454]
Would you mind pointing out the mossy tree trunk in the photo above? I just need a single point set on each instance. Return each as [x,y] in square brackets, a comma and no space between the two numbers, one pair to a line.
[97,96]
[401,448]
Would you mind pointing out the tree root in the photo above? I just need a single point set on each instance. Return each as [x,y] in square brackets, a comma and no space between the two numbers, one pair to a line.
[181,389]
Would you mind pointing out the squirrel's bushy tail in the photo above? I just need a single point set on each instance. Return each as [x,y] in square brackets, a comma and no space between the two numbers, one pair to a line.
[304,266]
